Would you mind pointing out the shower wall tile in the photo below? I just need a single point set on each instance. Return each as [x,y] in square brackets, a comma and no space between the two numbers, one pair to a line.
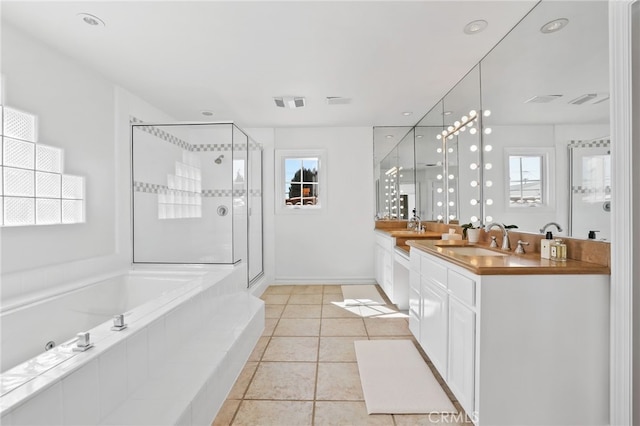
[113,378]
[43,409]
[80,399]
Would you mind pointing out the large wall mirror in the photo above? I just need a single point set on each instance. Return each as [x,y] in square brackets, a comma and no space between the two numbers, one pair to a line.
[537,150]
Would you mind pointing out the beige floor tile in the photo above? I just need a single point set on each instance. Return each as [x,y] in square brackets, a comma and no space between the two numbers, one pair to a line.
[338,382]
[283,380]
[341,413]
[226,413]
[298,327]
[269,326]
[259,348]
[332,289]
[302,311]
[305,299]
[242,383]
[275,299]
[338,349]
[387,327]
[273,311]
[328,298]
[292,349]
[307,289]
[335,311]
[274,413]
[381,311]
[279,289]
[342,327]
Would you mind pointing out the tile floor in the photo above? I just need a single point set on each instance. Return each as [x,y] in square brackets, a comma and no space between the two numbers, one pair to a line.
[303,369]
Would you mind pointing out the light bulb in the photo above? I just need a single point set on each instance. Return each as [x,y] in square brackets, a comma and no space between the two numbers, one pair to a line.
[452,216]
[438,163]
[473,202]
[464,118]
[473,148]
[474,183]
[439,217]
[439,177]
[473,166]
[451,203]
[456,133]
[450,128]
[400,175]
[386,194]
[451,190]
[489,184]
[488,166]
[451,177]
[450,150]
[444,132]
[450,137]
[439,150]
[439,203]
[472,113]
[438,137]
[487,131]
[456,124]
[474,218]
[470,124]
[463,128]
[489,218]
[488,148]
[487,112]
[386,180]
[489,201]
[473,131]
[439,190]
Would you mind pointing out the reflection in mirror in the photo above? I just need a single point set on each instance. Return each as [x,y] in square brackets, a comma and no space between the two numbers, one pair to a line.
[385,158]
[461,145]
[547,89]
[429,167]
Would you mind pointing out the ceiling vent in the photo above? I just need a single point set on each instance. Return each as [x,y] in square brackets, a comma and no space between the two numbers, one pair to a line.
[338,100]
[289,102]
[584,98]
[543,99]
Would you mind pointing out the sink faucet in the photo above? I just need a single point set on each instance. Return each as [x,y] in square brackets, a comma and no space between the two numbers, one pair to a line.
[544,228]
[505,234]
[415,223]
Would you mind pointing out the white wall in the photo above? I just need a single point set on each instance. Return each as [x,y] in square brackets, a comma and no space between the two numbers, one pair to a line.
[636,207]
[335,245]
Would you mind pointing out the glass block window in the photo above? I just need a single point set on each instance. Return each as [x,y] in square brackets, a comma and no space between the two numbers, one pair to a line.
[33,188]
[182,198]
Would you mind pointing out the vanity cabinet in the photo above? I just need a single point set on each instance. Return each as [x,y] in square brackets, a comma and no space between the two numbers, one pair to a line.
[392,270]
[384,261]
[515,349]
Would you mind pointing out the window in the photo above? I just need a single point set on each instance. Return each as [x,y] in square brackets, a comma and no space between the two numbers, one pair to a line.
[529,177]
[300,180]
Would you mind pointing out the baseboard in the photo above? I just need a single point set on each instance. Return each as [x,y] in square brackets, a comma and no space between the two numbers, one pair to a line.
[328,281]
[258,287]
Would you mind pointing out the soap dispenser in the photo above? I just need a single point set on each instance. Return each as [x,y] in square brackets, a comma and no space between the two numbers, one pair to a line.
[545,246]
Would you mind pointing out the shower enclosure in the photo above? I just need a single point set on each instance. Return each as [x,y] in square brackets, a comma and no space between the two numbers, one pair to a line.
[197,195]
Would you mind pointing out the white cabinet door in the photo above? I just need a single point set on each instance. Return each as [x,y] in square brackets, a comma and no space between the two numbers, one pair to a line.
[461,374]
[433,325]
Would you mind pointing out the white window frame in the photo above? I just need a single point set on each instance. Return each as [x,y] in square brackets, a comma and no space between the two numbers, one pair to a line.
[547,177]
[280,156]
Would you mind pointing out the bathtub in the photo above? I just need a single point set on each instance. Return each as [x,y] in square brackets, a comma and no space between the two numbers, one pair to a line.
[199,324]
[32,328]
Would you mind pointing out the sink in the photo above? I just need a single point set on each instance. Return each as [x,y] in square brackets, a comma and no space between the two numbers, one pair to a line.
[475,251]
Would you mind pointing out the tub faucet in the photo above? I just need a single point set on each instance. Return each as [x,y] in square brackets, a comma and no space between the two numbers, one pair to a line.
[544,228]
[505,235]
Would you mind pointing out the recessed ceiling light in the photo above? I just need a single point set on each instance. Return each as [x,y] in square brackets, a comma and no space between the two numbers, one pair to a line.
[553,26]
[447,113]
[419,136]
[389,136]
[206,113]
[475,27]
[337,100]
[407,113]
[92,20]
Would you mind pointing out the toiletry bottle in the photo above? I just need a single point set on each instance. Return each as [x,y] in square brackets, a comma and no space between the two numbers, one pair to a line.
[558,251]
[545,246]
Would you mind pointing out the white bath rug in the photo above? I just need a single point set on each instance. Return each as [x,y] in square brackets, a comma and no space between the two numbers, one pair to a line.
[396,379]
[361,295]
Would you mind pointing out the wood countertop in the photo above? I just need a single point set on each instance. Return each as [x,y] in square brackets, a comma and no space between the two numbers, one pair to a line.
[512,264]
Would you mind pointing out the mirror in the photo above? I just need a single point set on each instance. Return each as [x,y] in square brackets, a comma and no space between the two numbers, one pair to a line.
[386,157]
[429,161]
[546,85]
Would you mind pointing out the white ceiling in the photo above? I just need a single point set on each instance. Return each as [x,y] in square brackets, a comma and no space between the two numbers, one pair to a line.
[233,57]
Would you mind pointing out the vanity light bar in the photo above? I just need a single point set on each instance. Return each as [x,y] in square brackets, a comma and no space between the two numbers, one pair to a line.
[459,125]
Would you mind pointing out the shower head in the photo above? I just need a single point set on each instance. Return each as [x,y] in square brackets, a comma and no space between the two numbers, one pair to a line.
[219,159]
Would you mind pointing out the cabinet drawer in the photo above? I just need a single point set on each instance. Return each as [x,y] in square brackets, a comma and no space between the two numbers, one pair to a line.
[430,269]
[462,287]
